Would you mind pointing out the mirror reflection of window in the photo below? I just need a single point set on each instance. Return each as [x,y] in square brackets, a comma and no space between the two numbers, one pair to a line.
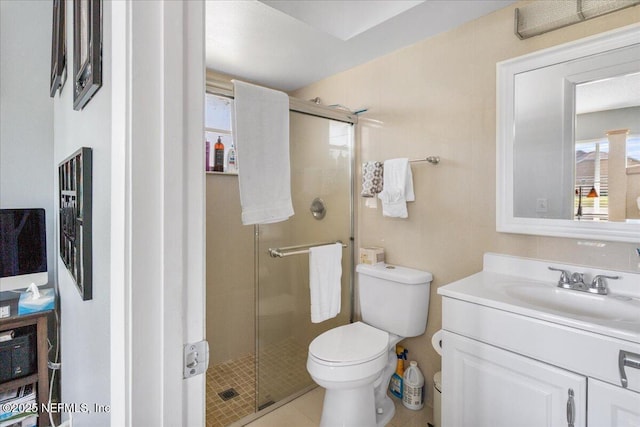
[592,180]
[633,154]
[607,149]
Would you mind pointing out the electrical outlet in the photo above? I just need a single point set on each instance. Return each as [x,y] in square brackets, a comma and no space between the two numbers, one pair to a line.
[541,205]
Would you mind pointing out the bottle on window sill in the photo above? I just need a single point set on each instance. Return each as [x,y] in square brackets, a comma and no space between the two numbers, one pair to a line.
[218,156]
[207,161]
[232,162]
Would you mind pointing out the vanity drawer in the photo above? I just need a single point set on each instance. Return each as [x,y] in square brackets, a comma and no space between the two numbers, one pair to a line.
[573,349]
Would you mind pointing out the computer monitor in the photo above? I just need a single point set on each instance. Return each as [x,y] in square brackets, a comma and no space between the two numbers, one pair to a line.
[23,248]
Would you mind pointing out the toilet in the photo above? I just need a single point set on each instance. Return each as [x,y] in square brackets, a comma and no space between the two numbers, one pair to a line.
[355,362]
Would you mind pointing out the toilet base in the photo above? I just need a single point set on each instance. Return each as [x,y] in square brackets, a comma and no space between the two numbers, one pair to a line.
[354,407]
[388,411]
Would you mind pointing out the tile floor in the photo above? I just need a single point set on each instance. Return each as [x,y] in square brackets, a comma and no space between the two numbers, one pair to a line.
[238,374]
[282,372]
[305,411]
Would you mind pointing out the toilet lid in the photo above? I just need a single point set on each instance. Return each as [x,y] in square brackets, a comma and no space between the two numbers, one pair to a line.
[350,344]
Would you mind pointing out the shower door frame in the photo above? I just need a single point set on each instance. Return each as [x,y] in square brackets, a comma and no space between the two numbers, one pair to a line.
[225,89]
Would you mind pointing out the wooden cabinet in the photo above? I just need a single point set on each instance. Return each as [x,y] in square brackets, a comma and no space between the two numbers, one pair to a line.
[492,387]
[41,376]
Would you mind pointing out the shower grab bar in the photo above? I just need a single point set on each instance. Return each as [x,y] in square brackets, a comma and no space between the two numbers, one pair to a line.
[298,249]
[434,160]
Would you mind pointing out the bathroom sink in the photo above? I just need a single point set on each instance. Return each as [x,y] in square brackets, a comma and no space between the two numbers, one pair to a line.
[570,302]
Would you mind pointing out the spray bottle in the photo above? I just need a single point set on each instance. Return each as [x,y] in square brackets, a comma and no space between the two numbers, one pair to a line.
[395,385]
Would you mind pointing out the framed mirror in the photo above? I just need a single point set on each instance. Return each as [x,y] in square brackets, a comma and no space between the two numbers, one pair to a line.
[568,140]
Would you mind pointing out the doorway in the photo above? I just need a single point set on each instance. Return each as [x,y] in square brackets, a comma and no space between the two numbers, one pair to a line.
[258,306]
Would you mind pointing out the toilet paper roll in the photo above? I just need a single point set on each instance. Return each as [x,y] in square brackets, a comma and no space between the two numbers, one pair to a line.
[436,342]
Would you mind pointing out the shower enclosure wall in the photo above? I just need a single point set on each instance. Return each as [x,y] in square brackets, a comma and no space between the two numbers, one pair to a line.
[258,307]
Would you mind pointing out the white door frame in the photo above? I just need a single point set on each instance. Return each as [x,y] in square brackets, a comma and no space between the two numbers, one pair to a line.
[157,230]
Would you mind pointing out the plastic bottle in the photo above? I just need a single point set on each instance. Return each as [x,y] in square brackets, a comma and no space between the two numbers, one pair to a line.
[232,165]
[413,387]
[395,385]
[207,158]
[218,156]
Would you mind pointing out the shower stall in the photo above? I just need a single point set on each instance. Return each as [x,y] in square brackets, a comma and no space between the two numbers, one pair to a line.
[258,305]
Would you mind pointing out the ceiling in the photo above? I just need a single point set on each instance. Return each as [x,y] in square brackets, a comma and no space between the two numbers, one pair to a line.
[608,94]
[286,45]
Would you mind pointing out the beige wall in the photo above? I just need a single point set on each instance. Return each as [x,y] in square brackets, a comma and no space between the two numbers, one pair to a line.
[230,284]
[437,97]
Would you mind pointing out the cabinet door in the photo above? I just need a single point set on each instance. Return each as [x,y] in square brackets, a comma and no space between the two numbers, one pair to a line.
[485,386]
[612,406]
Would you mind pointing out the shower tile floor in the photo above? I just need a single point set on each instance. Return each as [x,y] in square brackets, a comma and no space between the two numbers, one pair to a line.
[287,359]
[238,374]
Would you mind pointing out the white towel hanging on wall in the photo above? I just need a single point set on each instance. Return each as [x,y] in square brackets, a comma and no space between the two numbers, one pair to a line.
[261,132]
[397,189]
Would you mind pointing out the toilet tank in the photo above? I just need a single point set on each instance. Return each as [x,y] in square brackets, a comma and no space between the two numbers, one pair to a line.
[393,298]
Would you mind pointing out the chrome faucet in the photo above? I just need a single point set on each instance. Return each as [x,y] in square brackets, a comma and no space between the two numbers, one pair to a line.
[599,285]
[565,278]
[575,281]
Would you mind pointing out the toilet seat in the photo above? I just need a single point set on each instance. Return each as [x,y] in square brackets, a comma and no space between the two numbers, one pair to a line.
[353,344]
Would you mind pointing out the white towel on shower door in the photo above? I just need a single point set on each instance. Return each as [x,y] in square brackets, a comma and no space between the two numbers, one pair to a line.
[325,277]
[261,133]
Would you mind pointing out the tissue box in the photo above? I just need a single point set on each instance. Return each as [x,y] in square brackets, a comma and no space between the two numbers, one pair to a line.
[28,305]
[8,304]
[372,255]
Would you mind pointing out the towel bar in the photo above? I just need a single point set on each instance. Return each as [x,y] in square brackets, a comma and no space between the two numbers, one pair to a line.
[298,249]
[434,160]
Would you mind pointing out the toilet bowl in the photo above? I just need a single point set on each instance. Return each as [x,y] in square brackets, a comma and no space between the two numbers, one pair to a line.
[354,362]
[349,361]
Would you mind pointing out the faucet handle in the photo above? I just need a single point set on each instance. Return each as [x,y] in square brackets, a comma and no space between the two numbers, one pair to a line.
[577,278]
[599,284]
[564,281]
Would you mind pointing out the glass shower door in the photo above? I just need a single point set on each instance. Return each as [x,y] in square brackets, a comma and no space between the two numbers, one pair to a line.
[321,152]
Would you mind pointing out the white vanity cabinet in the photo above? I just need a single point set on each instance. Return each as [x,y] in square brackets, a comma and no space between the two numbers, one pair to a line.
[491,387]
[518,351]
[612,406]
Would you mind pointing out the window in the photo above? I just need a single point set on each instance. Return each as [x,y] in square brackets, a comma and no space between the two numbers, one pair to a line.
[592,171]
[633,154]
[217,123]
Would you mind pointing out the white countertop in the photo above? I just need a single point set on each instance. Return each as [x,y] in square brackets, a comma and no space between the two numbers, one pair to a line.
[492,288]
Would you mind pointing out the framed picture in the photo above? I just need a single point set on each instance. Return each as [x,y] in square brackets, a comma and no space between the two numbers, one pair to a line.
[75,183]
[58,48]
[87,50]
